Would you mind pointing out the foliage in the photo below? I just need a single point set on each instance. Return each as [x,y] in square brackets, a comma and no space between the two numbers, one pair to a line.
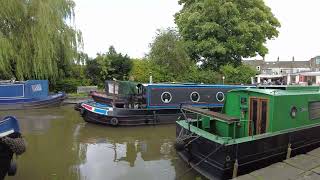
[37,39]
[108,66]
[168,55]
[141,70]
[69,85]
[203,76]
[220,32]
[120,65]
[97,69]
[237,75]
[143,67]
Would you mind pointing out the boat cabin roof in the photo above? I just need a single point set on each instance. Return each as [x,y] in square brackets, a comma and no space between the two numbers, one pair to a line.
[280,92]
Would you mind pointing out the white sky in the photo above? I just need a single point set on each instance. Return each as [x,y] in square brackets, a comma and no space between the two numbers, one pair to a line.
[130,26]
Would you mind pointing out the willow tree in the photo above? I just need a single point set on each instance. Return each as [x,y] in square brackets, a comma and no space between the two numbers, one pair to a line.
[38,38]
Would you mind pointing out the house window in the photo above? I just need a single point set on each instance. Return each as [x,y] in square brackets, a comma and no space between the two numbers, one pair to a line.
[258,68]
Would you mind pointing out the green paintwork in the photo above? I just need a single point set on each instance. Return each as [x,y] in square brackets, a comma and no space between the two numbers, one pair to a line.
[279,120]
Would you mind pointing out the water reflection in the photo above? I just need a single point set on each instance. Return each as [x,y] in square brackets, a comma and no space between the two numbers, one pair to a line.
[62,146]
[118,152]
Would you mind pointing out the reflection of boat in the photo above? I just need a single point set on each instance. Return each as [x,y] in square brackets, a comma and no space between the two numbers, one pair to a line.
[11,143]
[151,104]
[27,95]
[149,142]
[257,127]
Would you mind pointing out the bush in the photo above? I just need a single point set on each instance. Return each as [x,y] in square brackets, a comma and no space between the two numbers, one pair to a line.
[69,85]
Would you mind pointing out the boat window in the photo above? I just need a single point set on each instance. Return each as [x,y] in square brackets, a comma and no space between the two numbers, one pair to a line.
[293,112]
[220,96]
[195,97]
[166,97]
[314,110]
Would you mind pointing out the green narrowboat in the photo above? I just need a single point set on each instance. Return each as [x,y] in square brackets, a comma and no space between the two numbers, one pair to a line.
[256,128]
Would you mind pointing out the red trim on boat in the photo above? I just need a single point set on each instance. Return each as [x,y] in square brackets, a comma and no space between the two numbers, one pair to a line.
[87,107]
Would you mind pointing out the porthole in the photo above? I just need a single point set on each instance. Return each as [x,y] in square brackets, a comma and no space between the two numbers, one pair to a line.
[293,112]
[220,96]
[194,97]
[166,97]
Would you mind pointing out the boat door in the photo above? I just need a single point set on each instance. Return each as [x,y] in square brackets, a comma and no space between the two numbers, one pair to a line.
[258,116]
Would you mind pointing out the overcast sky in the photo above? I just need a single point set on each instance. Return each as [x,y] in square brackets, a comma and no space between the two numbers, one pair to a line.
[130,26]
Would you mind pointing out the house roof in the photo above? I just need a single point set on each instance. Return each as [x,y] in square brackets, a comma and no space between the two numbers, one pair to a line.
[278,64]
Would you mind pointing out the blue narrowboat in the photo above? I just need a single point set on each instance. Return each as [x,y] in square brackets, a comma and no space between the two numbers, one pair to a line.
[151,104]
[11,142]
[27,95]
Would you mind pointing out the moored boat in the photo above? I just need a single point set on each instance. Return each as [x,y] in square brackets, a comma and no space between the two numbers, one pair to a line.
[29,94]
[153,104]
[11,142]
[257,127]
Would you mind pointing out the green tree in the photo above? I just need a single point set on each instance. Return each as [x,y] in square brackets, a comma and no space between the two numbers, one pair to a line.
[37,39]
[141,70]
[97,69]
[168,55]
[237,75]
[218,32]
[120,65]
[108,66]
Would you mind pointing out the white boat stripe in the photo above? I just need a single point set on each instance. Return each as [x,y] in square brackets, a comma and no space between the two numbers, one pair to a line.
[6,133]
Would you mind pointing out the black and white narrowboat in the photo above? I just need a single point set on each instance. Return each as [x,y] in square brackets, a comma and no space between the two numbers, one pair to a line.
[152,104]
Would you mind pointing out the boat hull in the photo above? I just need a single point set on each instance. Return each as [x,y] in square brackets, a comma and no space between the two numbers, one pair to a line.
[134,117]
[251,155]
[5,160]
[50,101]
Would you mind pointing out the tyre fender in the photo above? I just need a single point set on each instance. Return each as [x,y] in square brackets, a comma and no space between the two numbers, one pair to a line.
[114,121]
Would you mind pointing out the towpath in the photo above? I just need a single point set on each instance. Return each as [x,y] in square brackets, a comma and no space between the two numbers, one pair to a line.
[300,167]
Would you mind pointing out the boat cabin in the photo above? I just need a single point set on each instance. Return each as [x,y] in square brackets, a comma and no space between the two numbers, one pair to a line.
[164,96]
[168,95]
[23,89]
[250,112]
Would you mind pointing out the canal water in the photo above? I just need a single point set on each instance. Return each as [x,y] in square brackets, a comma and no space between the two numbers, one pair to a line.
[61,146]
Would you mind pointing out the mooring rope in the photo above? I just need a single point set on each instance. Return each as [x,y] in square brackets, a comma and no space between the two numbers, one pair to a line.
[206,157]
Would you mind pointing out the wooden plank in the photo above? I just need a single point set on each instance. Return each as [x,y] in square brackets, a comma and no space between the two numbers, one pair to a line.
[210,113]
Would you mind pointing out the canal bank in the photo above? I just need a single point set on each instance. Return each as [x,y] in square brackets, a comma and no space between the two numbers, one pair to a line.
[301,167]
[62,146]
